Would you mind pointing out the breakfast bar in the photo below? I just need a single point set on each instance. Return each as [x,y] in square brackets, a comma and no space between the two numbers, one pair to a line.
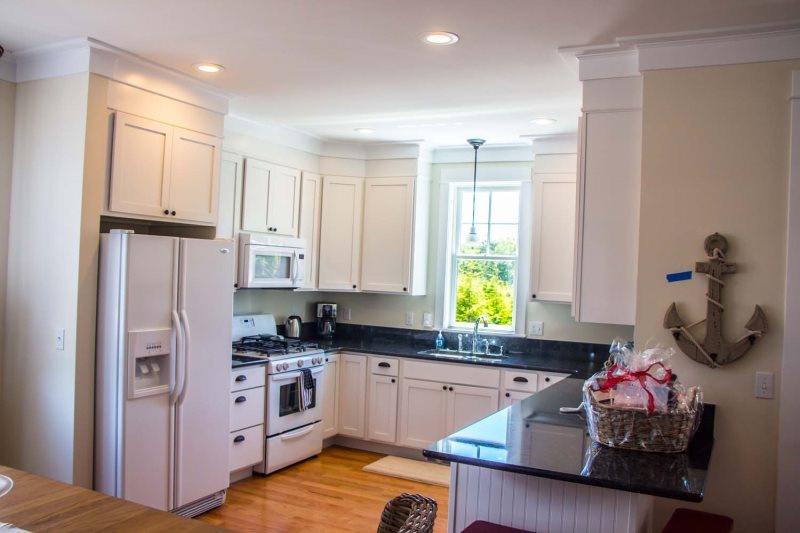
[531,467]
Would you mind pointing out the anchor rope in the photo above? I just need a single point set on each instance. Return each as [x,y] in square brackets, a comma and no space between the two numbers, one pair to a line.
[720,255]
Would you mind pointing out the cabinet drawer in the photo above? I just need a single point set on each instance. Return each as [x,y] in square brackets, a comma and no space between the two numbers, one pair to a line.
[453,373]
[247,408]
[547,379]
[383,366]
[246,448]
[247,378]
[520,380]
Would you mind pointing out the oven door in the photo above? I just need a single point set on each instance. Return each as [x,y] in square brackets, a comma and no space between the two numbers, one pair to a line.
[283,402]
[268,267]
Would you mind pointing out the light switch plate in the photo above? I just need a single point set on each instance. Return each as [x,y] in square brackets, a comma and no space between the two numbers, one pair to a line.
[427,320]
[409,318]
[60,339]
[536,328]
[765,385]
[345,313]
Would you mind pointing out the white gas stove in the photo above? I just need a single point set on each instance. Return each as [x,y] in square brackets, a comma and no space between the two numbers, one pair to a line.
[293,431]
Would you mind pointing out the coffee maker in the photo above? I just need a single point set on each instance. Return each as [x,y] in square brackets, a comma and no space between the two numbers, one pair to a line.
[326,320]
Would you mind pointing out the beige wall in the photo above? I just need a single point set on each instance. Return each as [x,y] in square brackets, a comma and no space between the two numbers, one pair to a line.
[38,405]
[7,101]
[715,158]
[389,310]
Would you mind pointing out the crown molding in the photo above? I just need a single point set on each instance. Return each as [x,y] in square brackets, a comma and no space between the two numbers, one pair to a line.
[8,70]
[493,153]
[629,56]
[74,56]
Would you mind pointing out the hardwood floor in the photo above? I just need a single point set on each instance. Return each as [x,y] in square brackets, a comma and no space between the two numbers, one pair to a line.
[327,493]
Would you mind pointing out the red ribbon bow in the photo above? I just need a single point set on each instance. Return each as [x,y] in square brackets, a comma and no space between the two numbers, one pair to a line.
[640,376]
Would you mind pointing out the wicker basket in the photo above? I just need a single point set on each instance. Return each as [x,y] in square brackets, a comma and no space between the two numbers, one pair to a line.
[637,429]
[408,513]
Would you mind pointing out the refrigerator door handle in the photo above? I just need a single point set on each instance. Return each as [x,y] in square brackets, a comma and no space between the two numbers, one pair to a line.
[177,357]
[187,350]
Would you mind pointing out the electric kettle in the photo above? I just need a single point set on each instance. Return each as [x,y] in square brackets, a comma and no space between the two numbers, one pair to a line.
[293,324]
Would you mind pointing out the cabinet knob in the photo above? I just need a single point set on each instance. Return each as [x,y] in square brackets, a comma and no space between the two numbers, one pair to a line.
[533,296]
[238,439]
[166,211]
[451,388]
[393,380]
[547,380]
[508,395]
[235,285]
[173,213]
[405,289]
[354,286]
[444,387]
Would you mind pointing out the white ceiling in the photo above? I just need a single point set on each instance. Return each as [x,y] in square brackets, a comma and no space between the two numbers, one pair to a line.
[329,66]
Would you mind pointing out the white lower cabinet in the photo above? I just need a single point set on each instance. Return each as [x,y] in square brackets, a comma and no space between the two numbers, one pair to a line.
[246,417]
[382,408]
[547,379]
[423,412]
[330,404]
[469,404]
[511,397]
[352,394]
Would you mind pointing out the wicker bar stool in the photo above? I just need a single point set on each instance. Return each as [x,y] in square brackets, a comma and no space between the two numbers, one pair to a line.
[408,513]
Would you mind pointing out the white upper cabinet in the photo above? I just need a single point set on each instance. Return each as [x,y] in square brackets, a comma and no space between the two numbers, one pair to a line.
[230,186]
[553,228]
[162,171]
[340,233]
[310,213]
[195,176]
[271,198]
[395,215]
[608,212]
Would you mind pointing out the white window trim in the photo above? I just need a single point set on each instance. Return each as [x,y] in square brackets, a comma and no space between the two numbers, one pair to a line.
[450,180]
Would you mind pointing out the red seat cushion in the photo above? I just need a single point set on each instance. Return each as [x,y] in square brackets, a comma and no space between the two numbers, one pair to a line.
[487,527]
[689,521]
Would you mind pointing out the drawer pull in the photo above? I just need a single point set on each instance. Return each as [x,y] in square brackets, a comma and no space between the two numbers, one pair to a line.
[393,380]
[384,365]
[241,377]
[238,439]
[508,395]
[240,399]
[547,380]
[520,379]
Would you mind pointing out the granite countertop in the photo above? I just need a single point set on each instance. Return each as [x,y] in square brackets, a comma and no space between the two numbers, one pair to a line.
[533,438]
[544,361]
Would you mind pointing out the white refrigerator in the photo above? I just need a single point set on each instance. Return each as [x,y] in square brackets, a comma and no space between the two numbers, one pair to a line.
[163,370]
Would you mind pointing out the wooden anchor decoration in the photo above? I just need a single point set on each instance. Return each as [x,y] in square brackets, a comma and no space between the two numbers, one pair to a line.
[714,350]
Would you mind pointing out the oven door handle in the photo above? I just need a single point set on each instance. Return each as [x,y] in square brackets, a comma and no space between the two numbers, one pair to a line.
[298,433]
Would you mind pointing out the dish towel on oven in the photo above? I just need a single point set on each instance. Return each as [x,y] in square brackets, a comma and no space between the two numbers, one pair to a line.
[305,382]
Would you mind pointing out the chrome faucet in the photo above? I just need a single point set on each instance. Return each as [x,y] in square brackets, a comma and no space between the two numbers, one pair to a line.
[475,336]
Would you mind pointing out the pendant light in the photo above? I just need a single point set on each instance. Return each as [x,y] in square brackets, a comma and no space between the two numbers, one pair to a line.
[473,231]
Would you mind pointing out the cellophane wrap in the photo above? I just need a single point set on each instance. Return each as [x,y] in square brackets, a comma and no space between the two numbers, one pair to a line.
[637,402]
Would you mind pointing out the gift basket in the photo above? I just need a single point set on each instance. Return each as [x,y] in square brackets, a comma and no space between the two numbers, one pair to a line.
[637,403]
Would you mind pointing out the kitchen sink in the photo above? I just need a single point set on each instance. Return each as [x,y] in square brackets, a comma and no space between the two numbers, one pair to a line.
[444,353]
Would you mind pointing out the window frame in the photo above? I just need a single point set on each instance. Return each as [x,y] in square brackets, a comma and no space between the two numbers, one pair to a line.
[452,177]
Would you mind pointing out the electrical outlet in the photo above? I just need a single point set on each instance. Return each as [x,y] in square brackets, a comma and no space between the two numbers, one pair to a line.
[765,385]
[409,318]
[345,313]
[60,333]
[427,320]
[536,328]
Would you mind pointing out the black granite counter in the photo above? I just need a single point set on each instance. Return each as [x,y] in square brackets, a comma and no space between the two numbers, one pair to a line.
[580,360]
[533,438]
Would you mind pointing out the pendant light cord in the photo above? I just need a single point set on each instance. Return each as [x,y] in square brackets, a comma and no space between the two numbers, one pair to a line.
[474,184]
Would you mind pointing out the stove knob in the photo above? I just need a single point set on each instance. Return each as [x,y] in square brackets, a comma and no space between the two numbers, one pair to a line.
[284,366]
[300,363]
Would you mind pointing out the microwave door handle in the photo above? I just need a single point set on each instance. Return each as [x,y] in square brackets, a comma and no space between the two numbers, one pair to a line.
[295,265]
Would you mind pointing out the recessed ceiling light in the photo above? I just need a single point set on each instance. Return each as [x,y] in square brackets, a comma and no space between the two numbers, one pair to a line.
[365,130]
[544,121]
[440,37]
[209,68]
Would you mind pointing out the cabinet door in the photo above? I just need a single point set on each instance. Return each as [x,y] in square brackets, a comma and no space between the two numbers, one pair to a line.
[609,217]
[511,397]
[383,408]
[283,201]
[230,183]
[140,166]
[553,237]
[330,407]
[469,404]
[423,412]
[194,179]
[340,233]
[254,195]
[388,219]
[310,211]
[352,394]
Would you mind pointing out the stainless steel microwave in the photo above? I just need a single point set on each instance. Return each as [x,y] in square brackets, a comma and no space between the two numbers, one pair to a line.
[271,262]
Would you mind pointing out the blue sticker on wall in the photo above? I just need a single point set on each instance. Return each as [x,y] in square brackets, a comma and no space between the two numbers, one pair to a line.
[679,276]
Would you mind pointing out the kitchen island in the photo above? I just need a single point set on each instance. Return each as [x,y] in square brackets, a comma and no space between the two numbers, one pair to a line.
[530,467]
